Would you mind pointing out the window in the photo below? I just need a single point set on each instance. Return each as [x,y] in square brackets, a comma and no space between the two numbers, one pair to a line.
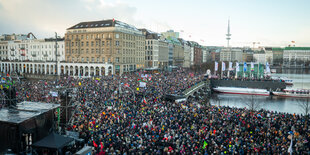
[102,51]
[116,43]
[97,50]
[82,43]
[117,35]
[93,59]
[97,59]
[109,60]
[102,43]
[87,59]
[102,36]
[87,37]
[82,59]
[86,50]
[97,43]
[82,51]
[92,50]
[82,36]
[103,60]
[117,59]
[92,43]
[86,43]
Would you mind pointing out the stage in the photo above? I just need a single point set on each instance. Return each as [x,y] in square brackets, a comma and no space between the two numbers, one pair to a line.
[25,124]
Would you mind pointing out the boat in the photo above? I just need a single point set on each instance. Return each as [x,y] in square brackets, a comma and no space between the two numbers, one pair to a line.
[302,93]
[273,70]
[240,90]
[285,79]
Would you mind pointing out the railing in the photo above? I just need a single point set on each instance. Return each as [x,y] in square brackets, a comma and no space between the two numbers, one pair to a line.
[194,88]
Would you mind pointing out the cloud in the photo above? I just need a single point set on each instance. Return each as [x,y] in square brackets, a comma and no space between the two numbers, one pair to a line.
[43,18]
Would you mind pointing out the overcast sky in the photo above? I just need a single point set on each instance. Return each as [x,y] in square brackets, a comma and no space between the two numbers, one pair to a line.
[270,22]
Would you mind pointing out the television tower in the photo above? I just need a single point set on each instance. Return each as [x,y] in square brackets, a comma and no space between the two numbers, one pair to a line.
[228,33]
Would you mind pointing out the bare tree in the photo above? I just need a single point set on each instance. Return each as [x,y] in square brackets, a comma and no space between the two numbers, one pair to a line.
[253,102]
[304,105]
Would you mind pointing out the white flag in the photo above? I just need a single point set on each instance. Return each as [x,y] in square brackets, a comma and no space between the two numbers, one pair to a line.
[237,67]
[223,66]
[230,66]
[267,67]
[252,66]
[216,66]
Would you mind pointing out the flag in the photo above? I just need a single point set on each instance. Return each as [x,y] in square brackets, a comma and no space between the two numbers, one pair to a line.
[230,66]
[101,145]
[252,66]
[290,149]
[113,20]
[223,66]
[267,67]
[126,85]
[204,144]
[216,66]
[237,67]
[144,100]
[95,145]
[245,67]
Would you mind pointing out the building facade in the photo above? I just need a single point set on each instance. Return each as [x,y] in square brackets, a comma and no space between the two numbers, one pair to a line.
[151,48]
[4,50]
[277,56]
[259,57]
[36,50]
[106,42]
[296,56]
[163,54]
[231,54]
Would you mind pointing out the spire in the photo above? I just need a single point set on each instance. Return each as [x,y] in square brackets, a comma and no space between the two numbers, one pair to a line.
[228,33]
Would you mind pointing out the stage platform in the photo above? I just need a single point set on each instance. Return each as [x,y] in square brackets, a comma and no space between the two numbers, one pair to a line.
[28,118]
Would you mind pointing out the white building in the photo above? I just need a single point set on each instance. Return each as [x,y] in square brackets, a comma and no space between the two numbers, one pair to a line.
[36,50]
[204,55]
[163,54]
[269,56]
[3,50]
[187,55]
[231,54]
[151,53]
[296,56]
[259,57]
[192,55]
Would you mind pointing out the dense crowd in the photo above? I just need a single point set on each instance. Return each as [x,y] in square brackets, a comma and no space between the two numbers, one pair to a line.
[116,116]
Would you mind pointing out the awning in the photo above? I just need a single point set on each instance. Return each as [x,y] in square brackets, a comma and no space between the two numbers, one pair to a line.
[53,141]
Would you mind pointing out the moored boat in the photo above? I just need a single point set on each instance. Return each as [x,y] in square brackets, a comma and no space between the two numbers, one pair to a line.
[244,91]
[285,79]
[303,93]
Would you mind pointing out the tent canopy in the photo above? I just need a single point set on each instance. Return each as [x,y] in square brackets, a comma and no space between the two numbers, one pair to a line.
[53,141]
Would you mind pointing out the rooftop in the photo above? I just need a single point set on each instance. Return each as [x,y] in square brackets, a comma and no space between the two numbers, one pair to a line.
[102,23]
[297,48]
[25,110]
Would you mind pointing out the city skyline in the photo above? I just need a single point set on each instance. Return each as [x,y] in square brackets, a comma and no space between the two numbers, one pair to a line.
[270,23]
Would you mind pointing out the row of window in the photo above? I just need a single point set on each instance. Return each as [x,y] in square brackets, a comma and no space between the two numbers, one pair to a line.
[92,59]
[98,51]
[102,36]
[33,47]
[103,43]
[3,47]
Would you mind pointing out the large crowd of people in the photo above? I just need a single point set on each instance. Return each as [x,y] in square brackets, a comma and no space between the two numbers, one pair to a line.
[115,115]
